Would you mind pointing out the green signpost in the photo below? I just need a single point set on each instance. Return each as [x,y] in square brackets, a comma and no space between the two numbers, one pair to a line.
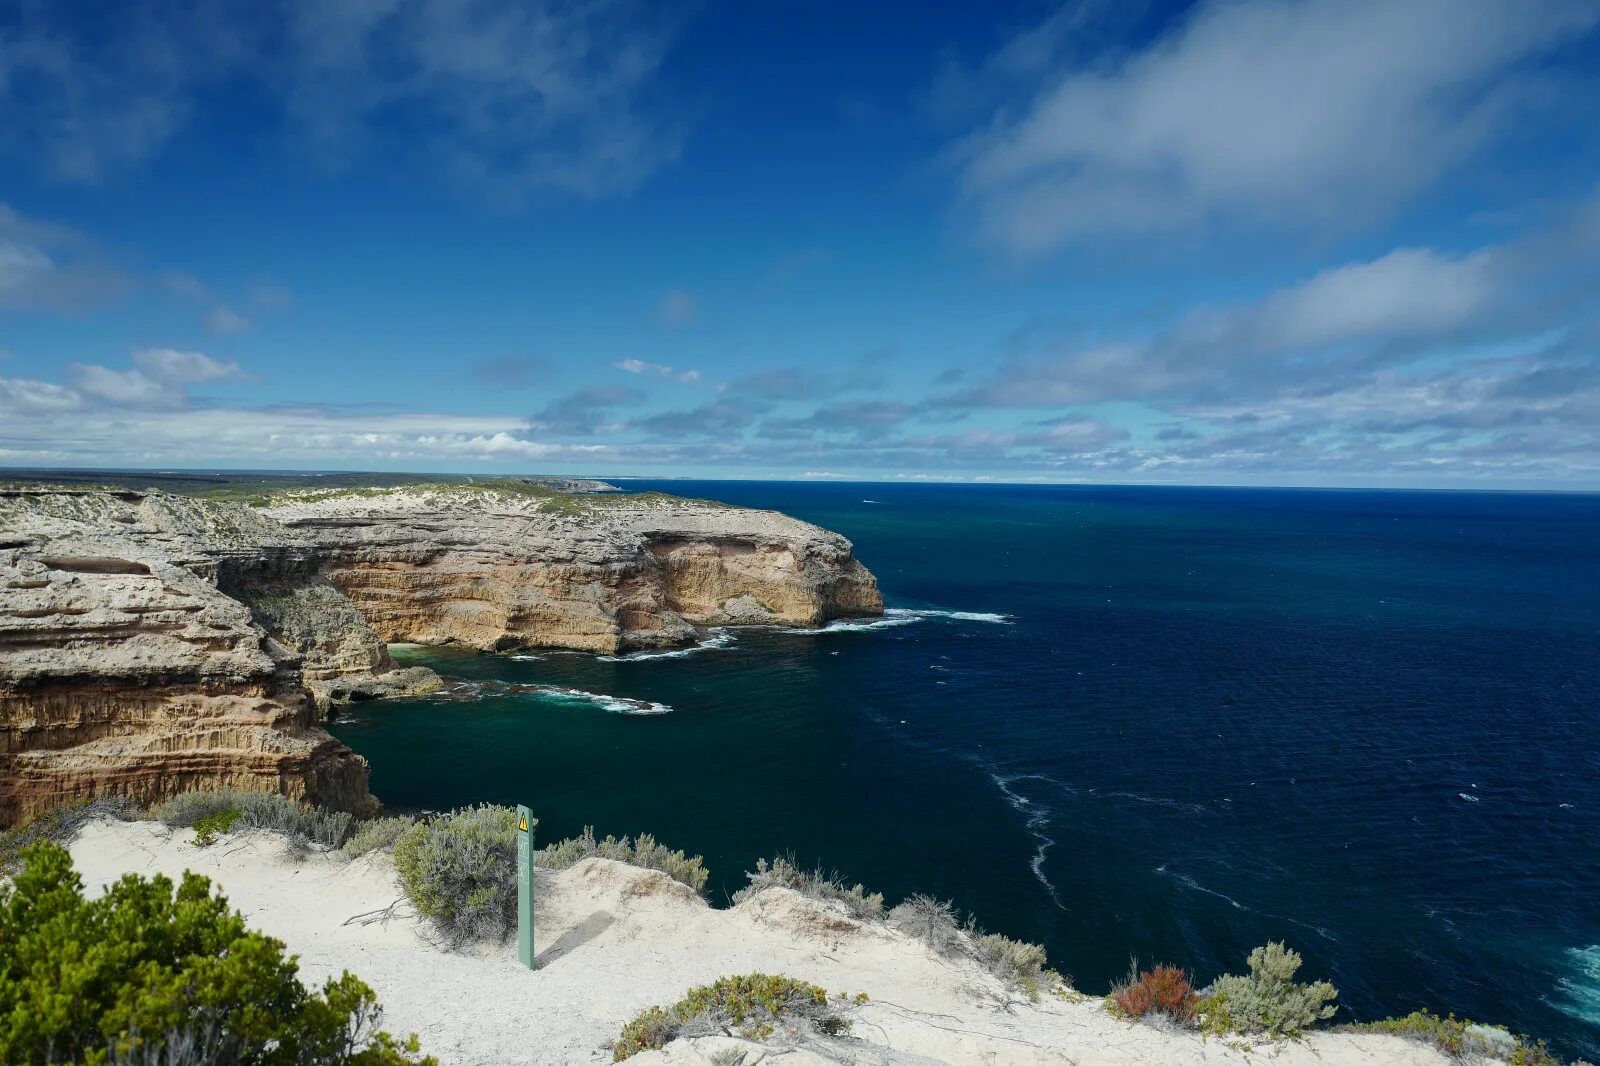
[526,823]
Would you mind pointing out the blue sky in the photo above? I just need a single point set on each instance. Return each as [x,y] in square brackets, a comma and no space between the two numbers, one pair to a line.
[1326,242]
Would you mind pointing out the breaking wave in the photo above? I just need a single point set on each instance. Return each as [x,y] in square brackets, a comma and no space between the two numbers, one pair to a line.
[714,639]
[475,690]
[902,616]
[1580,989]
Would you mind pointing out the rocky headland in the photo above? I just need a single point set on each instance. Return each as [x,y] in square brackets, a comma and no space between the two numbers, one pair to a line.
[152,643]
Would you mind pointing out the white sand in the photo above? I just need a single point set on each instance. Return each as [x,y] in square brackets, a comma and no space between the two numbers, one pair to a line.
[613,940]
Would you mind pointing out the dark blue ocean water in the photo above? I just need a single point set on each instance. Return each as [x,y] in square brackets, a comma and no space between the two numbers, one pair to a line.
[1364,722]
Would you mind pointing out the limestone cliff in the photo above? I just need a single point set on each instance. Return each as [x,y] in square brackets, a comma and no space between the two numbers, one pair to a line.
[151,643]
[598,573]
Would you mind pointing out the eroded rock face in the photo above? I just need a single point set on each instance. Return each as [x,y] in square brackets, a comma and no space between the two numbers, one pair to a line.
[151,644]
[600,574]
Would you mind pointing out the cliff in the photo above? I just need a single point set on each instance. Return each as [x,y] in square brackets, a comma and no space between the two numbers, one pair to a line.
[152,643]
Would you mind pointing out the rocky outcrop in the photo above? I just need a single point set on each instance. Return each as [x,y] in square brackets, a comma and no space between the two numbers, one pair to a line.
[151,643]
[499,571]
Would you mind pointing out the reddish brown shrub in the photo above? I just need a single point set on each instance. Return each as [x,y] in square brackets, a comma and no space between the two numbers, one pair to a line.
[1164,990]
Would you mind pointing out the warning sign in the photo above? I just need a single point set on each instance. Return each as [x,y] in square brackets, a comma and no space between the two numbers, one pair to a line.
[522,822]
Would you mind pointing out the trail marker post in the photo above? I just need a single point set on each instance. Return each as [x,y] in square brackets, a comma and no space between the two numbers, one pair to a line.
[526,823]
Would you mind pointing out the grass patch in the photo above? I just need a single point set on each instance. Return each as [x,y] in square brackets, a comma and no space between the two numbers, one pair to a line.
[58,825]
[642,851]
[754,1006]
[816,883]
[300,823]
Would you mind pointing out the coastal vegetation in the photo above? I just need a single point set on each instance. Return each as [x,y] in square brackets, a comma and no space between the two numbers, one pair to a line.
[458,871]
[1269,1000]
[1462,1040]
[213,813]
[152,972]
[754,1006]
[1163,992]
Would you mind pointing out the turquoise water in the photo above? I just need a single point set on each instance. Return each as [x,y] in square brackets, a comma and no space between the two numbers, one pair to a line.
[1168,723]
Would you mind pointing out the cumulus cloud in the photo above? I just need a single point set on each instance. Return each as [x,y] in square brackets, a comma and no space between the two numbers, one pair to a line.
[1405,305]
[158,379]
[1306,114]
[510,97]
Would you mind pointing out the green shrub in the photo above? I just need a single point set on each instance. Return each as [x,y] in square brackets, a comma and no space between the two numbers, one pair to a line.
[149,972]
[301,823]
[754,1006]
[815,884]
[1022,966]
[1269,1000]
[1461,1040]
[375,834]
[643,851]
[59,825]
[460,871]
[207,828]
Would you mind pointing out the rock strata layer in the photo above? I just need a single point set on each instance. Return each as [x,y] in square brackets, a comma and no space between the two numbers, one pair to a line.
[152,643]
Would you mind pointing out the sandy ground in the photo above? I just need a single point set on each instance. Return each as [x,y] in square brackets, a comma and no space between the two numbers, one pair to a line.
[613,939]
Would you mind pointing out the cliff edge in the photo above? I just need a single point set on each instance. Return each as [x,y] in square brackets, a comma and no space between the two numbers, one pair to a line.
[153,643]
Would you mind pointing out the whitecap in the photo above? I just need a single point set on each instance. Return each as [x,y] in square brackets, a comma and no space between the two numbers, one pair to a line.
[714,639]
[900,616]
[1580,989]
[1466,796]
[614,704]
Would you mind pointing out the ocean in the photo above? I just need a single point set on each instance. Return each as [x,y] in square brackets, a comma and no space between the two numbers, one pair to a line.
[1163,724]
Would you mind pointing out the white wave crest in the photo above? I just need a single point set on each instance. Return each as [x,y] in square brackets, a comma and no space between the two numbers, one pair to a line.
[900,616]
[714,639]
[1034,818]
[614,704]
[1580,989]
[474,691]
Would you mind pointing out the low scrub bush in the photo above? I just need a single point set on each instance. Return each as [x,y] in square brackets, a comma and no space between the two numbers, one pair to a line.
[301,823]
[1461,1040]
[1022,966]
[154,973]
[460,871]
[929,920]
[815,884]
[643,851]
[375,834]
[58,825]
[1269,1000]
[1162,992]
[754,1006]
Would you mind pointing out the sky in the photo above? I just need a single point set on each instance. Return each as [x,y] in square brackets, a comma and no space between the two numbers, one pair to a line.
[1291,242]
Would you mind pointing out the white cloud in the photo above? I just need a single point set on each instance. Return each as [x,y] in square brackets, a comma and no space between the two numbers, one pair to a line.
[510,97]
[1309,113]
[158,380]
[659,370]
[46,267]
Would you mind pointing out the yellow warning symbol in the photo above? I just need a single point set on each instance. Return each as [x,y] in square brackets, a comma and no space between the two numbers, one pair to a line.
[522,822]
